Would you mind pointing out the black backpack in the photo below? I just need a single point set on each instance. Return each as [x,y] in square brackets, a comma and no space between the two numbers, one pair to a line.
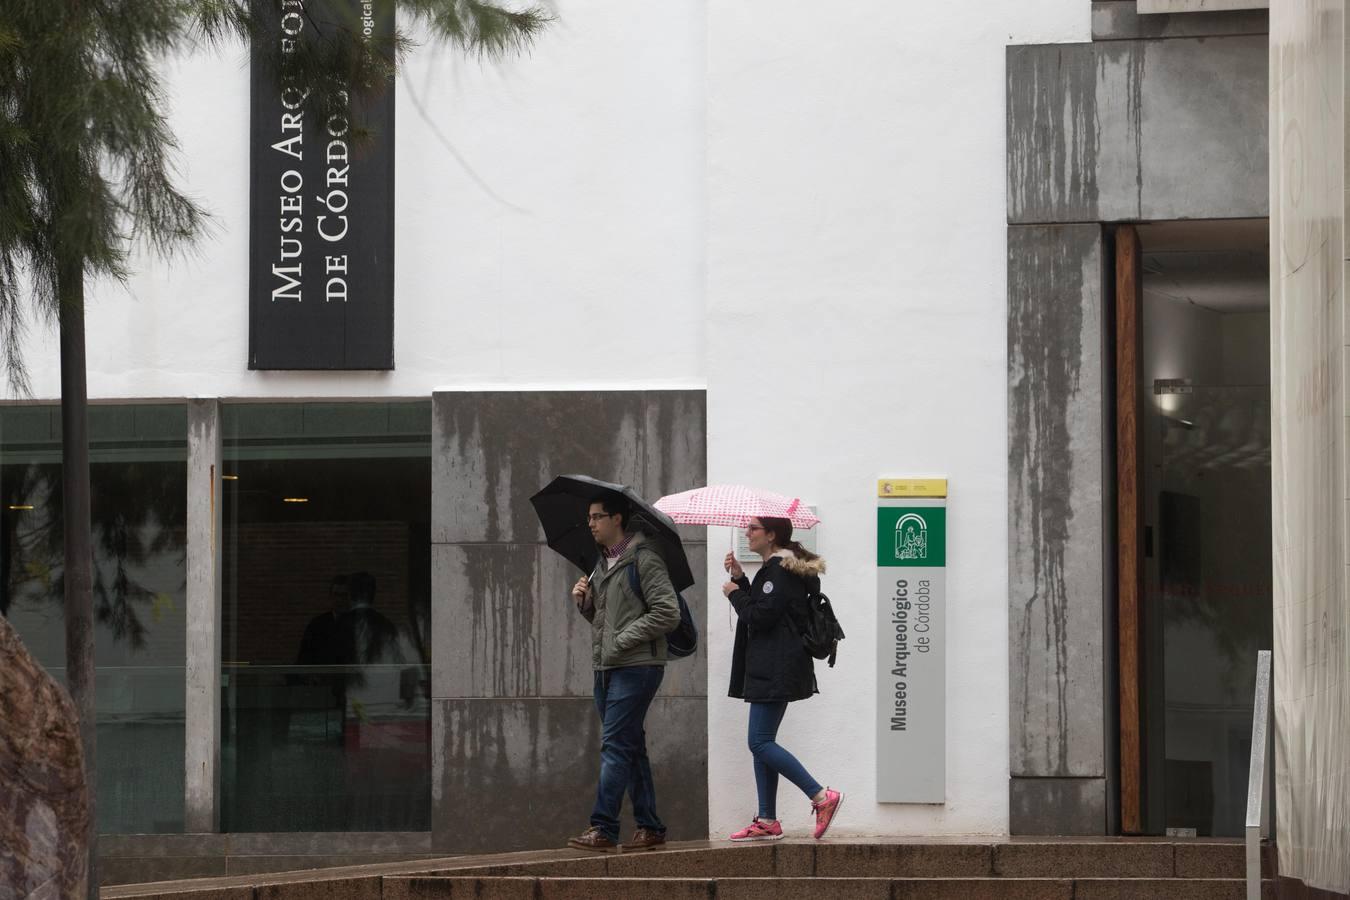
[683,640]
[819,628]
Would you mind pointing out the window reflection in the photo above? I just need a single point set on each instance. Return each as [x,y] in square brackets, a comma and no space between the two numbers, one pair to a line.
[138,495]
[1207,568]
[327,616]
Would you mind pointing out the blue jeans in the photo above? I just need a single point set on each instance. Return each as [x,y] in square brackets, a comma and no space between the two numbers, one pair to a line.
[622,697]
[772,760]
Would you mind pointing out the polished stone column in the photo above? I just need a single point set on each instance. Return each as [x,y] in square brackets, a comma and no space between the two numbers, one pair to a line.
[1310,415]
[1058,438]
[202,712]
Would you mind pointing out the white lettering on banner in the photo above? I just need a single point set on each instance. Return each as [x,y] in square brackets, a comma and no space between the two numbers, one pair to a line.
[291,289]
[336,200]
[332,224]
[292,203]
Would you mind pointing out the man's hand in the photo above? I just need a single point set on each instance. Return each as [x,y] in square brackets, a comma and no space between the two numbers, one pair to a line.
[730,588]
[732,566]
[580,590]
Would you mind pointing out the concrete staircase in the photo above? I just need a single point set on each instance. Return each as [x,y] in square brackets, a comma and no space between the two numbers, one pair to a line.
[881,869]
[1052,869]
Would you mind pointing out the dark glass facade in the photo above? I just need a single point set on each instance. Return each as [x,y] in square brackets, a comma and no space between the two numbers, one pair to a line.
[326,647]
[138,471]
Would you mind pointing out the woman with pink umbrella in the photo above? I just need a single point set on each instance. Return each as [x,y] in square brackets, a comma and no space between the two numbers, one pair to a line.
[770,667]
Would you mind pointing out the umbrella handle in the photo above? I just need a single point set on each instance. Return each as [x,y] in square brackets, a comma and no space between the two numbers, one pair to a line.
[731,610]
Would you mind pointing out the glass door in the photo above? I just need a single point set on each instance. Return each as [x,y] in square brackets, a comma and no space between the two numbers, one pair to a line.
[1207,598]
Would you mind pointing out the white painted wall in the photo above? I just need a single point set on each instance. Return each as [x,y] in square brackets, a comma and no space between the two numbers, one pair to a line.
[857,328]
[584,214]
[803,206]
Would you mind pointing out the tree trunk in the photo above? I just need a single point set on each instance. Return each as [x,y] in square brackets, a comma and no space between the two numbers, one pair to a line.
[79,556]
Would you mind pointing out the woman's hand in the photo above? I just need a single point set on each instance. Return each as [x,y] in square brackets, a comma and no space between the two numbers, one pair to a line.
[733,567]
[730,588]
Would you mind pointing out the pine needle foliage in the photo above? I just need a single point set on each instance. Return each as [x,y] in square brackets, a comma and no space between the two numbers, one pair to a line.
[87,177]
[86,151]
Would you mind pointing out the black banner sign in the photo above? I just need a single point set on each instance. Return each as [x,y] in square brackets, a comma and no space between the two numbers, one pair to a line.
[321,210]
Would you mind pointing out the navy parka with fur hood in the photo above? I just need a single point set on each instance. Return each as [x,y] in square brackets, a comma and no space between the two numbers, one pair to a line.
[768,662]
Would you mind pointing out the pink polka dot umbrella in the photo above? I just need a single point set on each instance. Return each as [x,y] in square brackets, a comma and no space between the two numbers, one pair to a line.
[734,505]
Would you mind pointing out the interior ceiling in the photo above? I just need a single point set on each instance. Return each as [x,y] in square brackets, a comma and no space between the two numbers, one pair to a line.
[1205,234]
[1222,265]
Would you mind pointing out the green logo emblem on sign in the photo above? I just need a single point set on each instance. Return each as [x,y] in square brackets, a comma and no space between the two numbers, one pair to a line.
[911,536]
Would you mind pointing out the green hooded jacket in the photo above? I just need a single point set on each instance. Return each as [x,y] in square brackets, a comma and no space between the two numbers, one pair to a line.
[624,630]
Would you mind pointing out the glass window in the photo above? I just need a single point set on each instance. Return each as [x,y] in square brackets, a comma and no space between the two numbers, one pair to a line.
[138,495]
[1207,504]
[326,719]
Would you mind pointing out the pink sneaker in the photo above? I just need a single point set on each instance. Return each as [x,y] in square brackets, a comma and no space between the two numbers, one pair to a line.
[759,830]
[825,811]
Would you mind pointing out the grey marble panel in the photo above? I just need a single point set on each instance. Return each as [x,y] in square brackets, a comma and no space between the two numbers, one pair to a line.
[1059,806]
[566,663]
[675,447]
[329,843]
[1117,20]
[538,760]
[1056,453]
[113,845]
[1128,130]
[486,617]
[1204,124]
[492,450]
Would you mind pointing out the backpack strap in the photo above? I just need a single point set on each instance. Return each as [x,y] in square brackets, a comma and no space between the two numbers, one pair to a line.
[635,577]
[635,581]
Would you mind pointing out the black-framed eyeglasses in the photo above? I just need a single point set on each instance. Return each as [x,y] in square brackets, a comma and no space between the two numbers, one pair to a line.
[753,527]
[596,517]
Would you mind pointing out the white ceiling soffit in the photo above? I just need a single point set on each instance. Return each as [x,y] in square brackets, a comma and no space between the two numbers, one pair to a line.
[1185,6]
[1205,235]
[1225,281]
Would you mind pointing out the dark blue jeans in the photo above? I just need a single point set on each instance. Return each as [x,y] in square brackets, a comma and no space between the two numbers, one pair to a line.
[772,760]
[622,697]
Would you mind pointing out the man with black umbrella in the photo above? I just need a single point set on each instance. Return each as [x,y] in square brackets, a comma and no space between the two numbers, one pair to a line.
[631,605]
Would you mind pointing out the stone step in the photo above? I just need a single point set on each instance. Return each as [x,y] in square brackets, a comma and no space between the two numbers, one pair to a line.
[962,869]
[1029,859]
[813,888]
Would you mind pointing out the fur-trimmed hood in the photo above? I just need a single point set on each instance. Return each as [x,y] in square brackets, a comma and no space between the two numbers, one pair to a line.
[802,568]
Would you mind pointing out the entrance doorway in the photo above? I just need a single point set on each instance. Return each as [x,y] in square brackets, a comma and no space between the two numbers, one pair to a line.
[1193,461]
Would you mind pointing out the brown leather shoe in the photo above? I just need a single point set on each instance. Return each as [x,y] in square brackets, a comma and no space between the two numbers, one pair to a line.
[592,839]
[644,839]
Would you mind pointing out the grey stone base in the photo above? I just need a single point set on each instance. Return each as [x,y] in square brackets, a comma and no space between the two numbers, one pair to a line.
[1059,806]
[521,773]
[138,858]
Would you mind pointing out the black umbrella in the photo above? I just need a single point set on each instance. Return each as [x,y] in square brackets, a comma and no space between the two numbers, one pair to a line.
[563,505]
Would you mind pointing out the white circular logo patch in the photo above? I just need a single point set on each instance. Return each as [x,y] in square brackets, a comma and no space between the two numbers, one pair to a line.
[768,587]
